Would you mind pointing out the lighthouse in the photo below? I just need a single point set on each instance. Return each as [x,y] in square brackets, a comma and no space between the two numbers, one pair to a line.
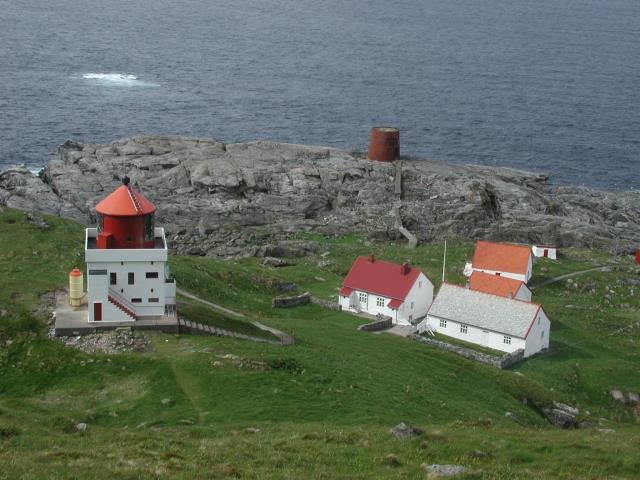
[126,255]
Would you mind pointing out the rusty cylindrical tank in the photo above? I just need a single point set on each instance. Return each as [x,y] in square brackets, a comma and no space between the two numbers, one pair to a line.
[384,144]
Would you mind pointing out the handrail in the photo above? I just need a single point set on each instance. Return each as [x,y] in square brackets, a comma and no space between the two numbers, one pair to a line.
[126,303]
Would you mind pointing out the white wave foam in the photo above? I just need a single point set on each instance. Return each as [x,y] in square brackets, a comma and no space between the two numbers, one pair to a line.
[118,79]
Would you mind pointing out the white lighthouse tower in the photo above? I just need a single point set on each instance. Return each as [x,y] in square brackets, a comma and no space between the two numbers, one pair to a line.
[127,281]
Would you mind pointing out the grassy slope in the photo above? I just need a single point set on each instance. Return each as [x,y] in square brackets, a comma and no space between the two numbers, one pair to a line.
[326,403]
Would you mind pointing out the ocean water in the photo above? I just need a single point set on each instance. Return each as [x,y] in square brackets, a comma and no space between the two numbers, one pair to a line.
[546,85]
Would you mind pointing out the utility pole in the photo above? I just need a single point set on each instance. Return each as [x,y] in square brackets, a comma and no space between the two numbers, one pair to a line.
[444,259]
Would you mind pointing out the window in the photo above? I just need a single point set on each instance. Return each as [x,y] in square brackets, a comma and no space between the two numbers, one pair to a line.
[411,305]
[362,297]
[136,300]
[154,300]
[148,228]
[506,340]
[97,272]
[538,320]
[131,278]
[420,284]
[443,323]
[542,334]
[152,274]
[463,329]
[380,301]
[410,318]
[113,279]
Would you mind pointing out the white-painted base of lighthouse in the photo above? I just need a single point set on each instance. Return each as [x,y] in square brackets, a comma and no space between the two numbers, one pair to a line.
[128,285]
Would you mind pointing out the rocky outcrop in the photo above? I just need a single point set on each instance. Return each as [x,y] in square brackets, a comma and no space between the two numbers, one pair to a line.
[230,199]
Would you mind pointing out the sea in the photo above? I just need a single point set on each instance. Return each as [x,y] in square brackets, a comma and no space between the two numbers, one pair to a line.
[545,85]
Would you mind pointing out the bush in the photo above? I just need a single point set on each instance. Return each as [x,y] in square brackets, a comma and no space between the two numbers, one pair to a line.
[290,365]
[8,431]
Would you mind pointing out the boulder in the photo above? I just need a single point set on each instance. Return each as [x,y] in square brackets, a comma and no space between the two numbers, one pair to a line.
[404,431]
[618,396]
[562,415]
[443,471]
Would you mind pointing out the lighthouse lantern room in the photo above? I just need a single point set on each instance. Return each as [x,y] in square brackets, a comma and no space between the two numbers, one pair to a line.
[126,259]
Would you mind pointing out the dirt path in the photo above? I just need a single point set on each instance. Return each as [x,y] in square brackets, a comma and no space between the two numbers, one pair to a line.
[212,305]
[568,275]
[285,338]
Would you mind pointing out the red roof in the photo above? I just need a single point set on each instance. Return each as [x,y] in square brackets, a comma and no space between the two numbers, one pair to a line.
[125,202]
[394,304]
[494,284]
[346,291]
[501,257]
[380,278]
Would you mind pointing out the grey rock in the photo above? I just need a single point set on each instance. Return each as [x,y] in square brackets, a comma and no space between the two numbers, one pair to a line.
[81,427]
[167,402]
[253,198]
[274,262]
[618,396]
[404,431]
[435,470]
[633,398]
[562,415]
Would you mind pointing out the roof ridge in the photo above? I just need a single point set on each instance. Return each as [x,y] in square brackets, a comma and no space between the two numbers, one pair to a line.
[493,294]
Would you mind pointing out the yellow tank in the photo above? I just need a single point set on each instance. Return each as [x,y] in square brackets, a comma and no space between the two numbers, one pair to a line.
[76,290]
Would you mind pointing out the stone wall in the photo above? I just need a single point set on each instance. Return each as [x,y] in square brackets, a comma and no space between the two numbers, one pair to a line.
[326,303]
[286,302]
[383,324]
[504,361]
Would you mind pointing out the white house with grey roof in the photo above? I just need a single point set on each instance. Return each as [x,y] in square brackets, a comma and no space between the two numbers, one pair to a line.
[492,321]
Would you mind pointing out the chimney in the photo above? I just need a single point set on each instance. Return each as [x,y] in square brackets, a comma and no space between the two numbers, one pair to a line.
[372,258]
[406,268]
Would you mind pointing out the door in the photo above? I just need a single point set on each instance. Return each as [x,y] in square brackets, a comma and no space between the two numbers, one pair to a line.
[97,312]
[545,253]
[484,339]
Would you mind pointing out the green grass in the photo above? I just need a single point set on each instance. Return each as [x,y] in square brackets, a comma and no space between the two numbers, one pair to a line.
[323,406]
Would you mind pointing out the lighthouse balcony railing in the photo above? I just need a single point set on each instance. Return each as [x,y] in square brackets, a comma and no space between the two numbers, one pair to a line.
[93,253]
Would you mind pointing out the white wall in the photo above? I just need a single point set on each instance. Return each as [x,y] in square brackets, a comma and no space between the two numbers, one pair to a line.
[538,337]
[523,293]
[98,287]
[516,276]
[421,294]
[538,251]
[479,336]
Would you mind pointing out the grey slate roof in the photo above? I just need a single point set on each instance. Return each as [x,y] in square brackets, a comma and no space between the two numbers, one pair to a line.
[483,310]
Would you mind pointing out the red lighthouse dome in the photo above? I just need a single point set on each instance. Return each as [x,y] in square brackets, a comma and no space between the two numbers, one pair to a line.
[125,219]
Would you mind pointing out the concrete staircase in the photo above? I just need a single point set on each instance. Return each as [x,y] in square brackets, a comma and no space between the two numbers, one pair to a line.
[203,329]
[122,307]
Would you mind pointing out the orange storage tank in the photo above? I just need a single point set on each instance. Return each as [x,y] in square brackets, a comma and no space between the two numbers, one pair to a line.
[384,144]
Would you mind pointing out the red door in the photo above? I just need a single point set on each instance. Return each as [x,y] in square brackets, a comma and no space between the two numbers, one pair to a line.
[546,253]
[638,256]
[97,312]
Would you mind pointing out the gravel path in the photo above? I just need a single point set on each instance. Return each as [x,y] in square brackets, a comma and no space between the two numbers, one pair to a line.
[569,275]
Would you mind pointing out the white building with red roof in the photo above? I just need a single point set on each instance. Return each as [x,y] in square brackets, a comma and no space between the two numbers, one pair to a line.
[502,259]
[499,285]
[489,320]
[374,286]
[126,257]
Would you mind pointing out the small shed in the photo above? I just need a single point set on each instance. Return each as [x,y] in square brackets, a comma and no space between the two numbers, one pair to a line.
[546,251]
